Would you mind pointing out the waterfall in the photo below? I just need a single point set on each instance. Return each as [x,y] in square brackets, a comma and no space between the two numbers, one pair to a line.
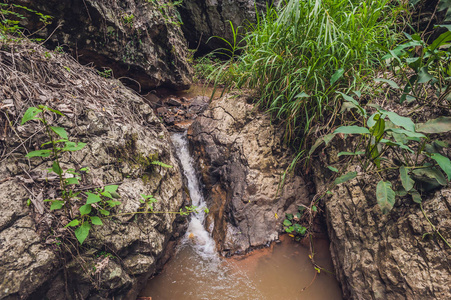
[196,233]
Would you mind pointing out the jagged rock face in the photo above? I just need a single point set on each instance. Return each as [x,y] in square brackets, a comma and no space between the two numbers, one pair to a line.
[241,159]
[203,19]
[123,136]
[138,39]
[388,256]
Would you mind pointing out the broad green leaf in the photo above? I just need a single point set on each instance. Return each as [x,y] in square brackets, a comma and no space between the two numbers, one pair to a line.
[332,169]
[350,153]
[85,209]
[345,177]
[72,180]
[439,125]
[289,216]
[432,173]
[390,82]
[378,129]
[289,229]
[82,232]
[406,181]
[71,146]
[73,223]
[59,131]
[58,204]
[39,153]
[92,198]
[314,208]
[441,40]
[56,168]
[325,139]
[54,110]
[397,144]
[96,220]
[111,188]
[416,197]
[104,212]
[299,229]
[112,203]
[106,194]
[385,196]
[407,133]
[30,114]
[424,76]
[337,75]
[353,101]
[287,222]
[352,130]
[57,141]
[443,162]
[373,119]
[401,192]
[404,122]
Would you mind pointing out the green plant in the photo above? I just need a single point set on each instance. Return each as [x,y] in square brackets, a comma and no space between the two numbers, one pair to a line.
[292,224]
[10,17]
[58,143]
[418,64]
[128,19]
[106,73]
[99,203]
[299,54]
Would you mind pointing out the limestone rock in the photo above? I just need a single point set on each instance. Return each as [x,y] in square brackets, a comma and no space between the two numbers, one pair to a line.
[203,19]
[390,256]
[137,39]
[241,159]
[123,137]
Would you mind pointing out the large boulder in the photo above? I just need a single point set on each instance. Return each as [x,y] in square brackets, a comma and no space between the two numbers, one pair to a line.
[391,256]
[241,160]
[139,40]
[204,19]
[39,258]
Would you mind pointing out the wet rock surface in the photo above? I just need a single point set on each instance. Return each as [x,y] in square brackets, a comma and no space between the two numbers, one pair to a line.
[139,40]
[177,113]
[392,256]
[123,137]
[241,160]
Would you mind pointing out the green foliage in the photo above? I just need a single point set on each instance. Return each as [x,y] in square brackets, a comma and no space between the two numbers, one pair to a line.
[386,131]
[10,17]
[421,64]
[100,203]
[292,224]
[298,54]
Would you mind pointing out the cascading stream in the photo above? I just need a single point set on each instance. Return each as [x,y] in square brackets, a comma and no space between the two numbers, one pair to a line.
[197,272]
[200,237]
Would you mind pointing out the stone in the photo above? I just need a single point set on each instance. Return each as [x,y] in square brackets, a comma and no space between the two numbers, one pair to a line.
[390,256]
[241,159]
[123,136]
[204,19]
[136,39]
[173,102]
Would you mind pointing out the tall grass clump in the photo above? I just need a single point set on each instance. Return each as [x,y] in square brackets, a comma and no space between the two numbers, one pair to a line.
[299,53]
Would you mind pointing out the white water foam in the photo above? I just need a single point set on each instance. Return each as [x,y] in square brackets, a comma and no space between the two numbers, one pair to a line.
[196,233]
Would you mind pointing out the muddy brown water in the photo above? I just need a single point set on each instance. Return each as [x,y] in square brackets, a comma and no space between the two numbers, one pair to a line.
[279,272]
[282,271]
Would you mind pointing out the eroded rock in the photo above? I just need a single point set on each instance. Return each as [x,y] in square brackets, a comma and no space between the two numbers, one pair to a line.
[241,159]
[209,18]
[392,256]
[137,39]
[123,137]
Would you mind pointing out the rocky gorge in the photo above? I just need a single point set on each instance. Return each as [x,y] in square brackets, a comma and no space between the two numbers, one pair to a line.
[240,153]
